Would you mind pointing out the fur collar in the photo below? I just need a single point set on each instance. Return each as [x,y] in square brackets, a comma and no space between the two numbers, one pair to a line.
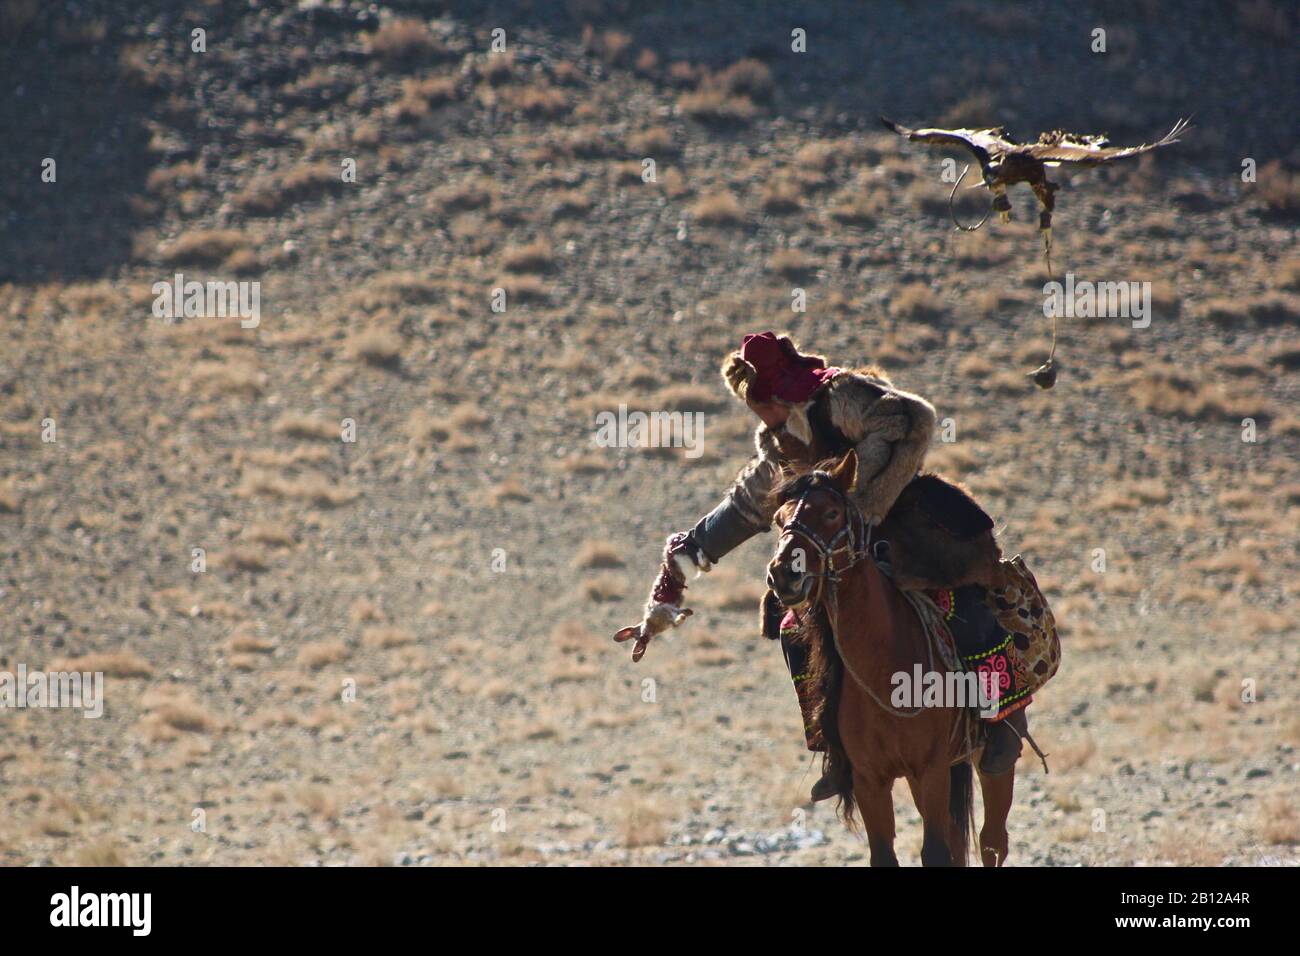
[836,393]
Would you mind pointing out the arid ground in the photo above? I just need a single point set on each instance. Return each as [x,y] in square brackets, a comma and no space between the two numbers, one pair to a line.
[398,648]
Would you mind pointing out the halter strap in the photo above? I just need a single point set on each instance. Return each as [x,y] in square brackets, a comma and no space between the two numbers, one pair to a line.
[855,535]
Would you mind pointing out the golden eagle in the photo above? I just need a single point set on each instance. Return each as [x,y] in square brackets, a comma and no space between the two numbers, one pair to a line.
[1004,162]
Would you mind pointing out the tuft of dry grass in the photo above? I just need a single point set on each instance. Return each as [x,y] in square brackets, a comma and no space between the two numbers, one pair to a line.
[320,654]
[533,258]
[644,823]
[172,712]
[656,141]
[376,346]
[716,107]
[917,301]
[298,425]
[509,490]
[402,40]
[271,194]
[385,637]
[203,247]
[122,663]
[719,209]
[597,555]
[313,487]
[781,195]
[792,264]
[1279,821]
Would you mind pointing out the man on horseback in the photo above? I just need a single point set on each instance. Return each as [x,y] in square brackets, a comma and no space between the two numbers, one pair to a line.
[938,538]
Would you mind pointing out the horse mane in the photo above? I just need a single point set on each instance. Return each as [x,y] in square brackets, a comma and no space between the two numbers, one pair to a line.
[798,478]
[825,668]
[826,671]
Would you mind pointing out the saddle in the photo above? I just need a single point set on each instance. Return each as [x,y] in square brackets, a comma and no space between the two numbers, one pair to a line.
[937,536]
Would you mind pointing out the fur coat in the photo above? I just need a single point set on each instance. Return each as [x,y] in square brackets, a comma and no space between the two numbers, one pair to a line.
[889,428]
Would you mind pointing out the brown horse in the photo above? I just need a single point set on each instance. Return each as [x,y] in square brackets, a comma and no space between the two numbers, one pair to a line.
[868,633]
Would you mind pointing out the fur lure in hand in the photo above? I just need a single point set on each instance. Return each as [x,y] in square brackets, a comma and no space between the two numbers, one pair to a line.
[664,610]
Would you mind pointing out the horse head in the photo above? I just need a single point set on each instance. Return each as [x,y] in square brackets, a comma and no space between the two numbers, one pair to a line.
[823,532]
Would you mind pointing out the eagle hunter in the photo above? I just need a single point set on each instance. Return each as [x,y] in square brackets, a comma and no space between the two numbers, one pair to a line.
[1004,162]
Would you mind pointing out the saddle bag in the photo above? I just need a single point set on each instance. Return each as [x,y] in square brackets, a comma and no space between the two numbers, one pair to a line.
[1019,605]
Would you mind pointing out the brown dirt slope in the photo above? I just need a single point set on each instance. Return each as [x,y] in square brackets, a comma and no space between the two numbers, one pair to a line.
[398,651]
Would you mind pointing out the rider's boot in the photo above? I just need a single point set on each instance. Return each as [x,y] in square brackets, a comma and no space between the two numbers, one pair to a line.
[1002,746]
[796,657]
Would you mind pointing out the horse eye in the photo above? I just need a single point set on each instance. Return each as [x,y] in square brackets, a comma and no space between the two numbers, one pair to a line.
[833,514]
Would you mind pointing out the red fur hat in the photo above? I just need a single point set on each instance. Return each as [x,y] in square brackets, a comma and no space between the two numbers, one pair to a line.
[778,370]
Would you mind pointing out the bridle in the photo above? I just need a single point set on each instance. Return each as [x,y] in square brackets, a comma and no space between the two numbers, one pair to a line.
[853,540]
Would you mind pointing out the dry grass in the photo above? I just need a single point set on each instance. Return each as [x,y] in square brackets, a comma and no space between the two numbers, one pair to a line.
[532,258]
[376,346]
[917,301]
[716,107]
[320,654]
[272,194]
[792,264]
[299,425]
[203,247]
[781,195]
[122,663]
[509,490]
[644,822]
[386,638]
[597,555]
[402,40]
[719,209]
[656,141]
[174,711]
[311,487]
[1279,821]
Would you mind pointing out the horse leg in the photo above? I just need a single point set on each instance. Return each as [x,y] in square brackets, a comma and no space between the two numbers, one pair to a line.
[997,792]
[876,804]
[931,794]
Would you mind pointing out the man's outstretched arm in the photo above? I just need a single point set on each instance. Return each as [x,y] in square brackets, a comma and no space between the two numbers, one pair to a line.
[743,513]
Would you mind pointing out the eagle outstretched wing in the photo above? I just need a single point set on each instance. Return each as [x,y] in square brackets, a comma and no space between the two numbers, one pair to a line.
[984,143]
[1092,150]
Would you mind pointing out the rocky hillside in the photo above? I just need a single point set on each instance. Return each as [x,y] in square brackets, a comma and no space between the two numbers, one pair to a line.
[392,644]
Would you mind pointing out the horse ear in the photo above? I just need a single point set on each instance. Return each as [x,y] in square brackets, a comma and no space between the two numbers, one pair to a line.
[845,474]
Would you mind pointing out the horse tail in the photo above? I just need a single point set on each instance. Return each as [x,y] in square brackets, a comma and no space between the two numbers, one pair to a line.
[961,805]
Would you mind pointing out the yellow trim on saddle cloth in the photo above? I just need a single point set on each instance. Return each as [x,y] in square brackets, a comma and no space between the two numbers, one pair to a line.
[991,651]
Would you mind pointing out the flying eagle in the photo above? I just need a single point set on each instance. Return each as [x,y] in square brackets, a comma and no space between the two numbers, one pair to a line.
[1004,162]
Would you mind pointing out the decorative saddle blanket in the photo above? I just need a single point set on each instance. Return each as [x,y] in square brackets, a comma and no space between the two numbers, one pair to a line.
[985,647]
